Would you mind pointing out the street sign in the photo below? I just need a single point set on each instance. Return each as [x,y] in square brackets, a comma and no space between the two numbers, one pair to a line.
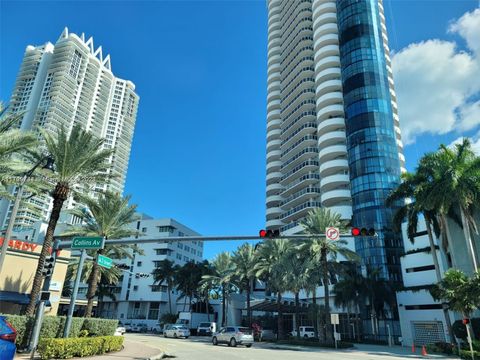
[332,233]
[104,261]
[334,319]
[55,286]
[87,242]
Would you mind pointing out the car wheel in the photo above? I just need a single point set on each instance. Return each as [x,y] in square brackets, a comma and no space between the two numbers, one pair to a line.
[186,337]
[164,335]
[248,345]
[175,335]
[214,341]
[233,342]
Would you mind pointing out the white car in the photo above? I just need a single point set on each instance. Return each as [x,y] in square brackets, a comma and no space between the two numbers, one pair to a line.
[176,331]
[233,336]
[306,332]
[206,328]
[120,331]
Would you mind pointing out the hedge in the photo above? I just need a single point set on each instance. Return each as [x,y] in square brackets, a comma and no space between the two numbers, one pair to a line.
[78,347]
[467,354]
[52,327]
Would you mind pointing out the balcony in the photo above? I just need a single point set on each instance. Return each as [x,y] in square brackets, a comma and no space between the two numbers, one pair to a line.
[333,166]
[331,124]
[274,223]
[273,166]
[345,211]
[333,197]
[332,181]
[331,98]
[274,188]
[273,155]
[327,62]
[332,138]
[330,111]
[274,200]
[332,152]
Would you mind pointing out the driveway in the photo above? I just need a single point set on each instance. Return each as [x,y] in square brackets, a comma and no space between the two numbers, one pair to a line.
[200,348]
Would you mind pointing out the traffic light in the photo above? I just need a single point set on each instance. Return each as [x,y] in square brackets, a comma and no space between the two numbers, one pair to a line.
[271,234]
[48,266]
[466,321]
[142,275]
[363,231]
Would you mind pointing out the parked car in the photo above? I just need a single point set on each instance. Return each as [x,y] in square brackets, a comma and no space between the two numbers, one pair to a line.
[128,327]
[120,331]
[233,336]
[206,328]
[157,328]
[306,332]
[8,335]
[139,328]
[176,331]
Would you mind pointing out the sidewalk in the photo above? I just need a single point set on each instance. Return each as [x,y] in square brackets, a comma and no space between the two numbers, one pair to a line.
[132,351]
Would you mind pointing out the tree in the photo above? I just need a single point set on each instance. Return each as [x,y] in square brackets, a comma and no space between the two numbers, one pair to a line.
[296,275]
[460,292]
[14,143]
[79,160]
[320,249]
[223,271]
[244,261]
[414,192]
[166,272]
[456,185]
[188,279]
[107,216]
[270,254]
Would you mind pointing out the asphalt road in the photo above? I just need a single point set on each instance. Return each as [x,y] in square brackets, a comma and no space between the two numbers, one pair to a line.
[196,348]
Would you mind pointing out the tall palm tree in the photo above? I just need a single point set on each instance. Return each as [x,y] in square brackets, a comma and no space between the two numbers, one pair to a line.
[223,271]
[270,254]
[79,160]
[13,144]
[166,272]
[244,261]
[456,185]
[414,192]
[187,279]
[296,269]
[107,216]
[321,249]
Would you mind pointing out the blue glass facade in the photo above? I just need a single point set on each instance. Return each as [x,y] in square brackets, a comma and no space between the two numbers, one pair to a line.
[371,141]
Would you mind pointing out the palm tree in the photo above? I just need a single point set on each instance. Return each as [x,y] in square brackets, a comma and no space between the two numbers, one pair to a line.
[188,278]
[13,144]
[414,192]
[350,292]
[166,272]
[270,254]
[223,270]
[244,261]
[79,160]
[320,249]
[460,292]
[456,185]
[107,216]
[296,273]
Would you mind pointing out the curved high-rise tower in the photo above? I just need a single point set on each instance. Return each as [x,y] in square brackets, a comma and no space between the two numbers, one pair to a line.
[332,140]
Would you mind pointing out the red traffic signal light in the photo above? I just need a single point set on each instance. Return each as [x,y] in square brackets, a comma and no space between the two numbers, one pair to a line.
[363,231]
[271,234]
[466,321]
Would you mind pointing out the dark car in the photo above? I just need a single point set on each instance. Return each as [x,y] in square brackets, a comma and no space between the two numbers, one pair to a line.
[8,336]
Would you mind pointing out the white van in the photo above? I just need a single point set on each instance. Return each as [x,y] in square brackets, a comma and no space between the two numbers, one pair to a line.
[206,328]
[306,332]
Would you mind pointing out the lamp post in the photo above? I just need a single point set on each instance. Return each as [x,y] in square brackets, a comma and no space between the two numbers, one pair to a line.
[18,198]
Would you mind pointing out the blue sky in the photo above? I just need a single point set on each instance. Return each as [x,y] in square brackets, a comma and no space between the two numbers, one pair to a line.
[200,69]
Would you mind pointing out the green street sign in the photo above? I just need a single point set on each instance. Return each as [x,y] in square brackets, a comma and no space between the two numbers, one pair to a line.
[87,242]
[104,261]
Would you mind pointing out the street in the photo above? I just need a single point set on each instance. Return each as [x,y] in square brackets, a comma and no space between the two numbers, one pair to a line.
[200,348]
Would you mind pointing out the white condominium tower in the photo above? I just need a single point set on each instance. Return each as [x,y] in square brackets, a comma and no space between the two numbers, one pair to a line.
[333,135]
[71,83]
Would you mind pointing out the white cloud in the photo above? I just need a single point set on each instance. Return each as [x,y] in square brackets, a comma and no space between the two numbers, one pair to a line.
[475,143]
[436,82]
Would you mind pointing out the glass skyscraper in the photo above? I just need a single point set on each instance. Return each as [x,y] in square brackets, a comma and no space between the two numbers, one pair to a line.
[333,135]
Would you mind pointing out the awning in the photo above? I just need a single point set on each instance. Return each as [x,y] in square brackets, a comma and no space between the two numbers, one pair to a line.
[14,297]
[271,305]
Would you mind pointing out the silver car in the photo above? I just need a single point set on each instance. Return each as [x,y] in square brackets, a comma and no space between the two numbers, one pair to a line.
[233,336]
[176,331]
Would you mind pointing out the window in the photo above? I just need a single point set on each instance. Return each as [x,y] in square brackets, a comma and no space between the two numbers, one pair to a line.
[187,248]
[163,251]
[139,263]
[159,288]
[135,287]
[179,256]
[185,258]
[181,233]
[75,66]
[421,268]
[168,229]
[154,310]
[180,245]
[144,229]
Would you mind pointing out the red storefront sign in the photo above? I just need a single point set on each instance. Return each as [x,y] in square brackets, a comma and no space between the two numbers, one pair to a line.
[20,245]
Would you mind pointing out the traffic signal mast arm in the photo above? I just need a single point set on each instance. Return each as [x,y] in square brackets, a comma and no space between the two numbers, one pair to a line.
[67,244]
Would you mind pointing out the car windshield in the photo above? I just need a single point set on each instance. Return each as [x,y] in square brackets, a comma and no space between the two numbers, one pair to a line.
[180,327]
[245,330]
[204,325]
[309,329]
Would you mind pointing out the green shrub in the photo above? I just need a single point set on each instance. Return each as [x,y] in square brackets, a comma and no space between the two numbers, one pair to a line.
[72,347]
[466,354]
[23,325]
[100,327]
